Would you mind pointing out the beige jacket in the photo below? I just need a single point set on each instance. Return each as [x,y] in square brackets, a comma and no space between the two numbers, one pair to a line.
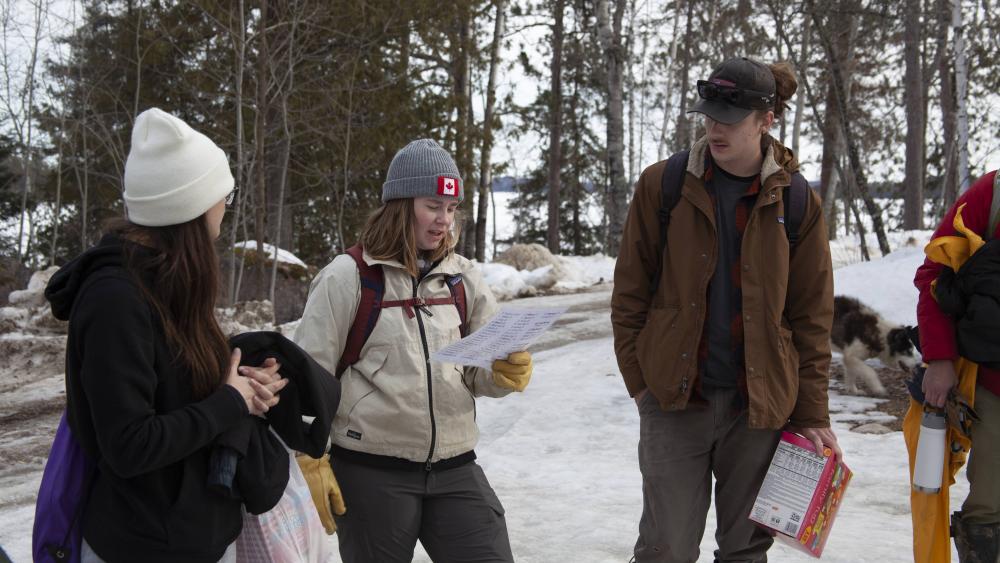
[395,401]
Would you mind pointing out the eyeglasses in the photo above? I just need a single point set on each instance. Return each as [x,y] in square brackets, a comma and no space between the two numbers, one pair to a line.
[739,97]
[231,196]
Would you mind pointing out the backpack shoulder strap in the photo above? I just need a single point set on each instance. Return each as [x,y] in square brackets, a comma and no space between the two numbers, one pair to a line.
[795,197]
[456,284]
[994,206]
[369,307]
[671,183]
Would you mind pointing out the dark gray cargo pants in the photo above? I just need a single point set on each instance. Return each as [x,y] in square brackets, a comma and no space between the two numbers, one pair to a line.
[679,452]
[453,512]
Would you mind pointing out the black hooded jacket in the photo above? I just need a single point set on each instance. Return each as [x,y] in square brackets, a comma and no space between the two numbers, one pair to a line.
[130,405]
[972,297]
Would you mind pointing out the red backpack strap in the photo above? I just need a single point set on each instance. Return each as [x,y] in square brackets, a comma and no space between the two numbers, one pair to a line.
[372,290]
[456,284]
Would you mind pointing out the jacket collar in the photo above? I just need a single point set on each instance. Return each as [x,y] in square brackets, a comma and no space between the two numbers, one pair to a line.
[448,265]
[773,152]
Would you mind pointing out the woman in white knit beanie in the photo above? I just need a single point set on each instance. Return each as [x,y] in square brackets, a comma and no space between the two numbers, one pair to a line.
[150,378]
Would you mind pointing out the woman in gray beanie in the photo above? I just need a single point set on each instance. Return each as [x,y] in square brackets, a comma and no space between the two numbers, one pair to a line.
[150,379]
[404,435]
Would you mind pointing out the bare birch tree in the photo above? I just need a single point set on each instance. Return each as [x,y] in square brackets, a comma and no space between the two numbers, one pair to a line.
[961,93]
[840,89]
[609,32]
[485,155]
[913,94]
[555,130]
[19,92]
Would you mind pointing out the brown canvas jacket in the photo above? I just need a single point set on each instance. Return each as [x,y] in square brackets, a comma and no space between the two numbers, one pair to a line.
[787,301]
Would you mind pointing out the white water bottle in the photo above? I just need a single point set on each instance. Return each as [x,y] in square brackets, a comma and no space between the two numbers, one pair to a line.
[928,469]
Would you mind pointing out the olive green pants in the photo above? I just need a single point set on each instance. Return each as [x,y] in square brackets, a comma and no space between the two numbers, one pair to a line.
[454,513]
[982,506]
[679,453]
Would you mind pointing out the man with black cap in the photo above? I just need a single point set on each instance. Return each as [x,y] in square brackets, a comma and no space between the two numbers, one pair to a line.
[722,322]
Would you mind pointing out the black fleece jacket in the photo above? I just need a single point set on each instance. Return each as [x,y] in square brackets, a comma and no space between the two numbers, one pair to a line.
[130,404]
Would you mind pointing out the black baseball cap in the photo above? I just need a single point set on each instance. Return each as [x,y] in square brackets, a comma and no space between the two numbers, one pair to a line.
[734,90]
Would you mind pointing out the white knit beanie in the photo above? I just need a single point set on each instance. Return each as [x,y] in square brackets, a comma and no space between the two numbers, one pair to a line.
[173,173]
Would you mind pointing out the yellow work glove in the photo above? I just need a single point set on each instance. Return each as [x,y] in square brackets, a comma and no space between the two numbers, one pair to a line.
[324,489]
[514,372]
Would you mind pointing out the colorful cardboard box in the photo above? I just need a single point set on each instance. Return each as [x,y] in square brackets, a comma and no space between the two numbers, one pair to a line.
[801,493]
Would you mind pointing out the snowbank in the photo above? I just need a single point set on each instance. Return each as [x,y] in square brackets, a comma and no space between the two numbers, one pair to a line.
[34,294]
[576,273]
[885,285]
[284,256]
[846,249]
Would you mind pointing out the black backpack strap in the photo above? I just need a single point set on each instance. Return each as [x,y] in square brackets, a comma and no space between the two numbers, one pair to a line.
[795,197]
[671,183]
[456,284]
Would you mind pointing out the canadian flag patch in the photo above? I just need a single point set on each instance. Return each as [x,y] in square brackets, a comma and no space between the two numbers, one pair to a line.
[447,186]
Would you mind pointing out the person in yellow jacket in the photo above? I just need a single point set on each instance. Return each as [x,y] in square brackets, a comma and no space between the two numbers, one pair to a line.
[976,527]
[405,431]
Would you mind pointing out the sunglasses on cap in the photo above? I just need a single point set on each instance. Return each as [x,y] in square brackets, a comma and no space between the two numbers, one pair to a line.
[739,97]
[231,196]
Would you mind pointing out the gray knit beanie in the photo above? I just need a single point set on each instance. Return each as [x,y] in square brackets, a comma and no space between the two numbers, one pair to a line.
[422,169]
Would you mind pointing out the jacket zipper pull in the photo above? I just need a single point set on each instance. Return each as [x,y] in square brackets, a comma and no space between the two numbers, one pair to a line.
[428,466]
[420,304]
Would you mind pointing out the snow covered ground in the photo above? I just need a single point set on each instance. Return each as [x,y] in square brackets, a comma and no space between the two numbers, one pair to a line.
[562,455]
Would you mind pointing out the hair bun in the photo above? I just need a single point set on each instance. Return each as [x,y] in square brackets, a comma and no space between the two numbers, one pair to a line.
[785,85]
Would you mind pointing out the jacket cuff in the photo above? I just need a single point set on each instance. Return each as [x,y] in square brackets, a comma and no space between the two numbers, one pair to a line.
[230,402]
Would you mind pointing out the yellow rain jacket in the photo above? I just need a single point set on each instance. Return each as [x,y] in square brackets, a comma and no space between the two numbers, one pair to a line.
[930,513]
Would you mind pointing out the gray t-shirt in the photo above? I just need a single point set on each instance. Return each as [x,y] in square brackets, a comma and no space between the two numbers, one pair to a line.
[720,366]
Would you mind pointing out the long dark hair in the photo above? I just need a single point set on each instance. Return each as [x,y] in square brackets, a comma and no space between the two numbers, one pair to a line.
[178,273]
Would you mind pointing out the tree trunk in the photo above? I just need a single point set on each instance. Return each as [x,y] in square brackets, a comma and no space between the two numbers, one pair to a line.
[857,171]
[260,141]
[241,48]
[56,219]
[800,102]
[643,106]
[41,12]
[913,93]
[961,90]
[485,174]
[576,138]
[342,197]
[555,128]
[831,171]
[85,185]
[463,154]
[683,123]
[832,178]
[668,91]
[949,185]
[630,81]
[829,179]
[138,63]
[289,87]
[609,29]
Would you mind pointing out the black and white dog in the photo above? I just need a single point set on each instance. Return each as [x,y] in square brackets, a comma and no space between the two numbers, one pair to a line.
[859,333]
